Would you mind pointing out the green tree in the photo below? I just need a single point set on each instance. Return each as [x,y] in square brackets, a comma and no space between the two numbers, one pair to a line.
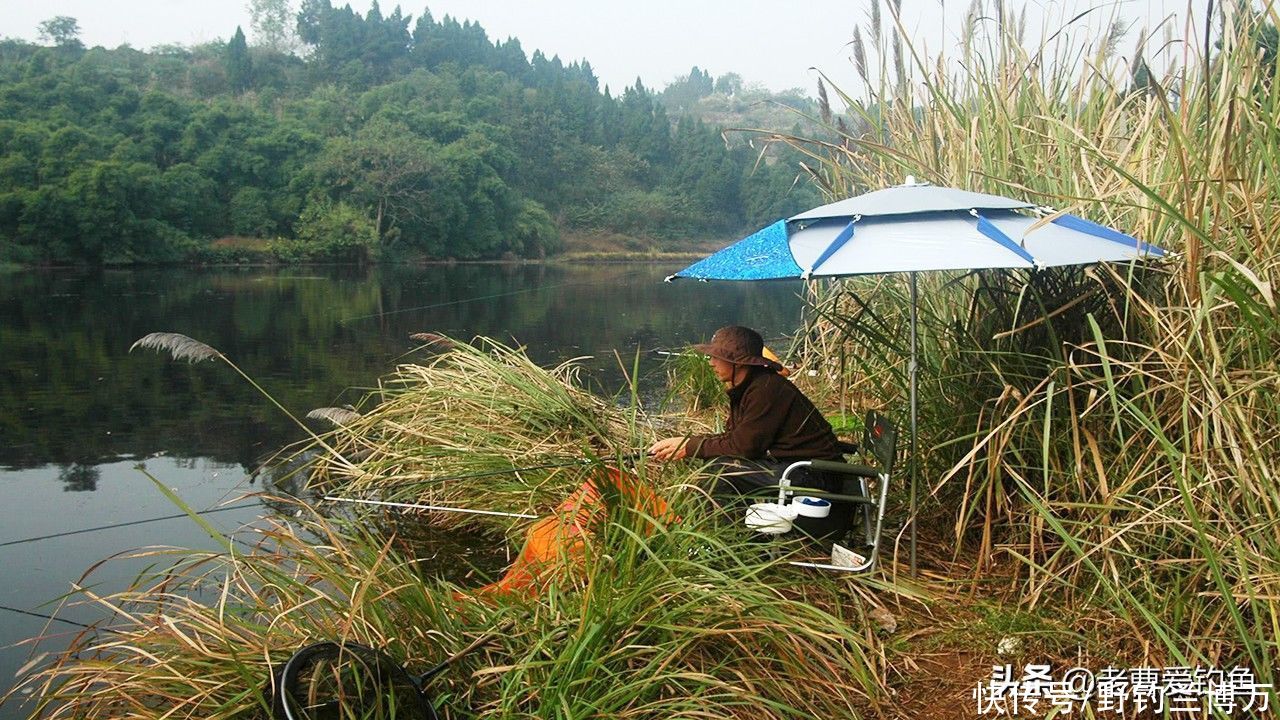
[161,121]
[687,90]
[729,84]
[449,41]
[774,189]
[449,144]
[187,200]
[533,233]
[62,31]
[358,51]
[20,163]
[110,208]
[272,22]
[250,213]
[238,64]
[333,231]
[67,149]
[385,167]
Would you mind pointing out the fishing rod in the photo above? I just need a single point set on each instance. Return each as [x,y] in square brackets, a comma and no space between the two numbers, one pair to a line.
[630,457]
[822,566]
[525,516]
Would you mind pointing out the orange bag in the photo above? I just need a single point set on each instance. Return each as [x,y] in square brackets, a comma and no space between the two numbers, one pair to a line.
[556,544]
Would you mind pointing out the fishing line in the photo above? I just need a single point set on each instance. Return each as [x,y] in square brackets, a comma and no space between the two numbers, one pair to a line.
[461,301]
[96,628]
[129,524]
[33,613]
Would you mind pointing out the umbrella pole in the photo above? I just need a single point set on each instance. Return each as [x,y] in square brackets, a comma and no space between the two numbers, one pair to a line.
[911,369]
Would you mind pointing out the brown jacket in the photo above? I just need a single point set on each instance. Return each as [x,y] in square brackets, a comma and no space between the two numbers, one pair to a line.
[769,415]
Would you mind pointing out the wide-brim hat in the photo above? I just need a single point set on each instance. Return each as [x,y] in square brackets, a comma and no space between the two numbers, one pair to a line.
[738,345]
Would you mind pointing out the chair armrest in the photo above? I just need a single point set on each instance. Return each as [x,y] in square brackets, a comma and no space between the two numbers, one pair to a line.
[839,497]
[845,468]
[771,490]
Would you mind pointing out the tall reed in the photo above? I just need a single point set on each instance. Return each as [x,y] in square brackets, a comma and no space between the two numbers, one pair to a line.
[1115,429]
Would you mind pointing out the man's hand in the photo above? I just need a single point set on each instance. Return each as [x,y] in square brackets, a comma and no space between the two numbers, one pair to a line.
[673,448]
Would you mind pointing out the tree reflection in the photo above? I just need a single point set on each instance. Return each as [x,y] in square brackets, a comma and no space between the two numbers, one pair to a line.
[79,478]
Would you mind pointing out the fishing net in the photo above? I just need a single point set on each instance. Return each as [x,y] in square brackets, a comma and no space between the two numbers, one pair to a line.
[345,681]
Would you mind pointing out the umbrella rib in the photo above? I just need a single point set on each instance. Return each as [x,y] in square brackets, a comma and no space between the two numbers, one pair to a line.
[845,235]
[986,227]
[1079,224]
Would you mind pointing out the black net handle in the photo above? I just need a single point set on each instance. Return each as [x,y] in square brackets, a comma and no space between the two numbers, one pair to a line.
[426,676]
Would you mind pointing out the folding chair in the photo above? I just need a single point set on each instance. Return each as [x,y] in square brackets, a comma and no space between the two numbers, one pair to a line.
[862,495]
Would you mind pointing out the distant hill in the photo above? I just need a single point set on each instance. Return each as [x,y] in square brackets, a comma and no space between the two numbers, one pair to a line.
[729,102]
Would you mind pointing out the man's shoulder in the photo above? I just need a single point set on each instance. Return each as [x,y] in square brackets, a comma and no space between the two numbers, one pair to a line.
[773,383]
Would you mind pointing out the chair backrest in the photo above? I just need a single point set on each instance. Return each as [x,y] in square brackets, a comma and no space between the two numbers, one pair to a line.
[880,440]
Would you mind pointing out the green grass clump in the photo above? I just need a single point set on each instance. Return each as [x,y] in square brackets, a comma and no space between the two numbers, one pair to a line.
[459,428]
[692,383]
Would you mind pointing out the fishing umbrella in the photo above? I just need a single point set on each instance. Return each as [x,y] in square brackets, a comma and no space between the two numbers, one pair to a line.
[913,228]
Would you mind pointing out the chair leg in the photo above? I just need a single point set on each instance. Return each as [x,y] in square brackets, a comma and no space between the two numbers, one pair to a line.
[884,496]
[867,538]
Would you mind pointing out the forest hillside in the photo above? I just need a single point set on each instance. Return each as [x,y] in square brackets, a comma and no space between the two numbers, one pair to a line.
[382,136]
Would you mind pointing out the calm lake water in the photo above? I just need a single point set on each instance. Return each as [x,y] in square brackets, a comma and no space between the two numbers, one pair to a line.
[81,418]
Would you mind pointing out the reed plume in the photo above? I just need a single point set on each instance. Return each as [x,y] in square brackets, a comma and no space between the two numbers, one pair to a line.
[860,55]
[430,338]
[182,347]
[178,345]
[335,415]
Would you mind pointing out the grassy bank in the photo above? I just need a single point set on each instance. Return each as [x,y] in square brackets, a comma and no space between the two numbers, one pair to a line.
[579,246]
[679,617]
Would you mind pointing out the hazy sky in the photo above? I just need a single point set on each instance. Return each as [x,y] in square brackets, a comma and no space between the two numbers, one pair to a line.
[767,41]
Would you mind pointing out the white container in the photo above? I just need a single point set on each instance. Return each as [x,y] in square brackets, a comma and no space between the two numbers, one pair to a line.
[811,506]
[770,518]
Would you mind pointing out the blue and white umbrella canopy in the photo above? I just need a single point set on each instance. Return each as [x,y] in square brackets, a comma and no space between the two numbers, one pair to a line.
[949,230]
[913,228]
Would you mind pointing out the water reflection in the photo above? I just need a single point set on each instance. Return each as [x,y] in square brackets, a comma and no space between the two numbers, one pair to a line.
[72,395]
[78,412]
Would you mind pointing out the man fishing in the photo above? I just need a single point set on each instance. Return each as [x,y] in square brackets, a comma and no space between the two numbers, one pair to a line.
[771,423]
